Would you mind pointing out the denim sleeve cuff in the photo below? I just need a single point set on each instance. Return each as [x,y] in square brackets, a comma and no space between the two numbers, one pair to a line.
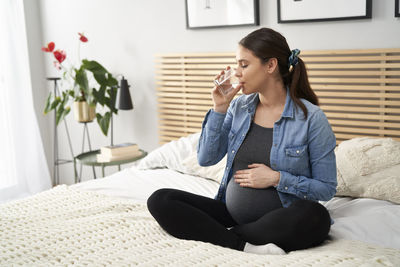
[287,183]
[214,120]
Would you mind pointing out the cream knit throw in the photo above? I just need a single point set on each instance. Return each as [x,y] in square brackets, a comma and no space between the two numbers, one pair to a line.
[65,226]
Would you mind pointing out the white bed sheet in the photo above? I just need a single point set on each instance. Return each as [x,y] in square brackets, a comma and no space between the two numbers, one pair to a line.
[368,220]
[364,219]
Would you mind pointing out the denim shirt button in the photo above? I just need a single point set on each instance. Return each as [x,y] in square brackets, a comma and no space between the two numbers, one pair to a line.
[233,151]
[286,188]
[305,197]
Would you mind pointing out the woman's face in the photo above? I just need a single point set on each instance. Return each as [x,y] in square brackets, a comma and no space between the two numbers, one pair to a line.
[251,72]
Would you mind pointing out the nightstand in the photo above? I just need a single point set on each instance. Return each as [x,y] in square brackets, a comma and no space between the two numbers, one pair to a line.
[90,159]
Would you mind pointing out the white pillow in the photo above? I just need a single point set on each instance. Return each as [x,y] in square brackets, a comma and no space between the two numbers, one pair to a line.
[171,154]
[369,167]
[215,172]
[181,155]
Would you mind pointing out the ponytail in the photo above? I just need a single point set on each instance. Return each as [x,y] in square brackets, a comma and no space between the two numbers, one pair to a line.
[299,86]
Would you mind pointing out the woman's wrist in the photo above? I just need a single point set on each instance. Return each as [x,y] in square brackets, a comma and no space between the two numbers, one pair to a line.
[277,178]
[220,109]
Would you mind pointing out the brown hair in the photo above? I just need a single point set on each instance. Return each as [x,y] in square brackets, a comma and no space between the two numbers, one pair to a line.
[266,43]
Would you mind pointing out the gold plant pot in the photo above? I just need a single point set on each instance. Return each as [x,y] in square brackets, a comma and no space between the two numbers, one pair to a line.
[84,112]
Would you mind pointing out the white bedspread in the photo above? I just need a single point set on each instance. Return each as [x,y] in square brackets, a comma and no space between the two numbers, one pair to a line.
[368,220]
[140,184]
[67,226]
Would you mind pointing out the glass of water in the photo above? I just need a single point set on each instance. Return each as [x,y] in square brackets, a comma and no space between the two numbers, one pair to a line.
[227,81]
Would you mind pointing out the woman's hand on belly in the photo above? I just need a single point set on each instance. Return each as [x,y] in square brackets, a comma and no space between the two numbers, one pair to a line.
[257,176]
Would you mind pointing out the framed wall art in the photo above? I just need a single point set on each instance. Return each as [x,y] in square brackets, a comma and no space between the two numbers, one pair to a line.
[323,10]
[397,8]
[221,13]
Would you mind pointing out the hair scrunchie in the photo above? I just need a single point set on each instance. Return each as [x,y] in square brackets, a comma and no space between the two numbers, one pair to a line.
[293,58]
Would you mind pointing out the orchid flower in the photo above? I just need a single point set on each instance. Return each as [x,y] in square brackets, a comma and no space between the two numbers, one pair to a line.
[49,48]
[82,37]
[60,55]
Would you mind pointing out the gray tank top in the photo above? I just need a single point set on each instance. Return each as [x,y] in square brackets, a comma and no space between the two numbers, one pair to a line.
[249,204]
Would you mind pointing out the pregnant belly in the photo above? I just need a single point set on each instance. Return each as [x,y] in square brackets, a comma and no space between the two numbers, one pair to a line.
[249,204]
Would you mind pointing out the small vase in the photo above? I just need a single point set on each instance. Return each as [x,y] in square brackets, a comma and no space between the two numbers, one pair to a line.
[84,112]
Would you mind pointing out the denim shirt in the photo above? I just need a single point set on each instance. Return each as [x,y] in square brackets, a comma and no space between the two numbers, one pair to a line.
[302,149]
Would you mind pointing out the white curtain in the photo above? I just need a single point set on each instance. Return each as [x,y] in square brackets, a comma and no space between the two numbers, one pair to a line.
[23,167]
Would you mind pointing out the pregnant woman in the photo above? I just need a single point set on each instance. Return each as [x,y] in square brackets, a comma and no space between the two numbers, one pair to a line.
[280,159]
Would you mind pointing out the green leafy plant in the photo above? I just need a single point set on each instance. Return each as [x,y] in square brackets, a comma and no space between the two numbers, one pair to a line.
[81,87]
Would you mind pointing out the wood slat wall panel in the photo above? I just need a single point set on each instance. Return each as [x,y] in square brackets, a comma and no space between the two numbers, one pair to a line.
[350,88]
[311,72]
[312,80]
[359,90]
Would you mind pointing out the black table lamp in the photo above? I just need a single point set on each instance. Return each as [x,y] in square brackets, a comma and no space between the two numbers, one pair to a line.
[124,102]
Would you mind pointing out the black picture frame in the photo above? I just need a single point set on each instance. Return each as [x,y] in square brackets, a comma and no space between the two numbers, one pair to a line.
[367,9]
[397,8]
[208,23]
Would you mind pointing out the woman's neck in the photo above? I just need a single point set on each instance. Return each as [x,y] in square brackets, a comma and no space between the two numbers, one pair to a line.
[273,95]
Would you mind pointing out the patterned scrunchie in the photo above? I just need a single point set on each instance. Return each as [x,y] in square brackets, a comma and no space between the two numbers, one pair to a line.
[293,58]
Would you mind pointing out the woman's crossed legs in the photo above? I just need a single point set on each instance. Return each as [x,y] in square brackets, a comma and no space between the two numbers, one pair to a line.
[192,217]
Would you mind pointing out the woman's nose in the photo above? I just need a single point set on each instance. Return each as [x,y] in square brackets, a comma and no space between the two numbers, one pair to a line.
[237,73]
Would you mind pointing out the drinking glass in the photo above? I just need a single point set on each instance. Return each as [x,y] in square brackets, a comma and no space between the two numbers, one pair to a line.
[227,81]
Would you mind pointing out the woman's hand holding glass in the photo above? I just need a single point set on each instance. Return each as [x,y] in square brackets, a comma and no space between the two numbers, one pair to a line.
[226,87]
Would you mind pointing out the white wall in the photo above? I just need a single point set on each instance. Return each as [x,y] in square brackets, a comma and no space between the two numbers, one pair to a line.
[124,36]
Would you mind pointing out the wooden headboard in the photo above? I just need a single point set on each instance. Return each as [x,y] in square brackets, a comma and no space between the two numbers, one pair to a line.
[359,90]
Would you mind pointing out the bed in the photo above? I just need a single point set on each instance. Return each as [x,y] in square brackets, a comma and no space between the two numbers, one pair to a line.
[106,222]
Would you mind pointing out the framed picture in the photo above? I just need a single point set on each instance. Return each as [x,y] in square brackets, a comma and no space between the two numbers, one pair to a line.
[397,8]
[323,10]
[221,13]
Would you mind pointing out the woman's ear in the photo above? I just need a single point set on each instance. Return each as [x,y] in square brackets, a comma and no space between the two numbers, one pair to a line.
[271,65]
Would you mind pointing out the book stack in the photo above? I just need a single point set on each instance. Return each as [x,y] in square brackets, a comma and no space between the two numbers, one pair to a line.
[118,152]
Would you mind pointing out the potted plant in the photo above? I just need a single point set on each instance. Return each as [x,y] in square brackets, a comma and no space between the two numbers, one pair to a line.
[88,85]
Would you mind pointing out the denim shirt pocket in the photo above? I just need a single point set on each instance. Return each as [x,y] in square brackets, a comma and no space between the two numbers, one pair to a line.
[297,159]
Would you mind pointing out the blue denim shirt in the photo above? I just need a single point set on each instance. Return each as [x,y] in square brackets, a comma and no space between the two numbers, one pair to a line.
[302,150]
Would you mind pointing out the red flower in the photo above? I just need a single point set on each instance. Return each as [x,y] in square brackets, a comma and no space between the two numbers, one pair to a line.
[82,37]
[60,55]
[49,48]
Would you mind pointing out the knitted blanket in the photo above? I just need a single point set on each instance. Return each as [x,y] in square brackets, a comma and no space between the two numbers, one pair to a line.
[66,226]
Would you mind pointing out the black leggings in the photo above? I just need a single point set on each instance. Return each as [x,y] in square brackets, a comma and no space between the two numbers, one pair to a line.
[192,217]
